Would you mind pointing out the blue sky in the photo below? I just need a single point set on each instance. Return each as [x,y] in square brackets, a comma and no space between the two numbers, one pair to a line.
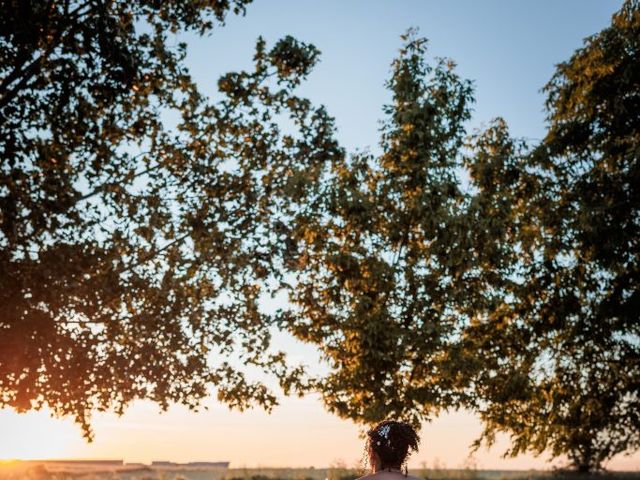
[507,48]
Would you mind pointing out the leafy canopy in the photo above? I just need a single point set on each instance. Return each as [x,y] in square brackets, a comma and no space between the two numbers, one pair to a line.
[564,366]
[142,224]
[377,285]
[136,235]
[516,295]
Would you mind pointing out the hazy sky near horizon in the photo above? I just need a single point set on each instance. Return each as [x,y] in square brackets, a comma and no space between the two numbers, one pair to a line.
[508,48]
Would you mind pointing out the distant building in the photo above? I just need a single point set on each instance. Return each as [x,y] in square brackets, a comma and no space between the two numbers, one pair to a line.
[164,463]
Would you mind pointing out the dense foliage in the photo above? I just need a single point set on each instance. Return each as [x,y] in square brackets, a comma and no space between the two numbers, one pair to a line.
[143,226]
[518,295]
[562,371]
[136,233]
[378,282]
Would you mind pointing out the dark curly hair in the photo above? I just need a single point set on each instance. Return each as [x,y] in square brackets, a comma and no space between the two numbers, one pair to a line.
[393,442]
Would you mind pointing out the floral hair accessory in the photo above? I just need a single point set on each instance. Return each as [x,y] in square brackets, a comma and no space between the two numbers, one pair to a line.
[381,435]
[384,431]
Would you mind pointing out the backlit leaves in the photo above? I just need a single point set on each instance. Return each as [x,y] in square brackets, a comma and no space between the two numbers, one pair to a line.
[134,252]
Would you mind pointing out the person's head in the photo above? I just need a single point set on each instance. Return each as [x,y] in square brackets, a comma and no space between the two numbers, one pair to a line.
[390,443]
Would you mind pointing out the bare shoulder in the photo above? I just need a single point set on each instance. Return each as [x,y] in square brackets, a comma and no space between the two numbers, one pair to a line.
[369,476]
[388,476]
[411,477]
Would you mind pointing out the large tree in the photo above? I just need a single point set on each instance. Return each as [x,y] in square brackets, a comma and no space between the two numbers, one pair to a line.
[516,296]
[379,281]
[138,224]
[562,347]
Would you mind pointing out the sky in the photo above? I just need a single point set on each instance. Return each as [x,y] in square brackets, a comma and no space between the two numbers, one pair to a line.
[508,48]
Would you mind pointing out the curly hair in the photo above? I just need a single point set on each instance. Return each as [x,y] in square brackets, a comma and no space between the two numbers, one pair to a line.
[393,442]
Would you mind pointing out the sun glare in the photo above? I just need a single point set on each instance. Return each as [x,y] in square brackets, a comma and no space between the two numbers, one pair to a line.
[35,435]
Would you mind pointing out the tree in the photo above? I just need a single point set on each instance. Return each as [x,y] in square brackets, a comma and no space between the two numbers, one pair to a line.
[563,349]
[136,233]
[377,286]
[518,296]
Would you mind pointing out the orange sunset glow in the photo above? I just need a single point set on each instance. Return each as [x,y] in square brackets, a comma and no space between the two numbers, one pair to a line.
[299,433]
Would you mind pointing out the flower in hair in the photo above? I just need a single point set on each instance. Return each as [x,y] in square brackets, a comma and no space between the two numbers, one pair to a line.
[384,431]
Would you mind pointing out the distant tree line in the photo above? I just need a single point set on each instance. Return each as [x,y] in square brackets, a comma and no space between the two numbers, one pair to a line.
[135,254]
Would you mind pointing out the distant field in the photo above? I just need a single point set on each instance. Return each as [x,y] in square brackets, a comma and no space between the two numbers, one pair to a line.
[19,471]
